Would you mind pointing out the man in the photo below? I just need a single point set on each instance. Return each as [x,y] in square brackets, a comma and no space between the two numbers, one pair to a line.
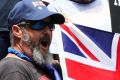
[5,7]
[31,25]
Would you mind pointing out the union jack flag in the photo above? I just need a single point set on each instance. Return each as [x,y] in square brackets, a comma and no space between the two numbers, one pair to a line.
[89,54]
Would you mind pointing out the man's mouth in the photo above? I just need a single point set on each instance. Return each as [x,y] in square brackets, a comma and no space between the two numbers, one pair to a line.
[45,42]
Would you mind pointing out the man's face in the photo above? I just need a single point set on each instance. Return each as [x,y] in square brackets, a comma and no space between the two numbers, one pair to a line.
[38,41]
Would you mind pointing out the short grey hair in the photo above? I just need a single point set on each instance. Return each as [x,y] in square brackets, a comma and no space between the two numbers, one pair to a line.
[11,38]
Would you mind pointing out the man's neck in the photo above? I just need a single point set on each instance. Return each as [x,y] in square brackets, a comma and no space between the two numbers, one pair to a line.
[14,56]
[12,52]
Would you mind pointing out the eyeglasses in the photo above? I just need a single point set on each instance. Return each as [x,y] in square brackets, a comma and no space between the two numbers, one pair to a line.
[41,24]
[37,25]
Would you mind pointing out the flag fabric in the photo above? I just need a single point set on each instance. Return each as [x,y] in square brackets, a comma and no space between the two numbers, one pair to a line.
[88,54]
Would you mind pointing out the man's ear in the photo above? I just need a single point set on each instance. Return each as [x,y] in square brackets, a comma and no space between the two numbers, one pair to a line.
[17,32]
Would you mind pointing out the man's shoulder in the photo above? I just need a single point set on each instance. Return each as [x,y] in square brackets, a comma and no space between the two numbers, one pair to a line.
[8,62]
[12,68]
[12,63]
